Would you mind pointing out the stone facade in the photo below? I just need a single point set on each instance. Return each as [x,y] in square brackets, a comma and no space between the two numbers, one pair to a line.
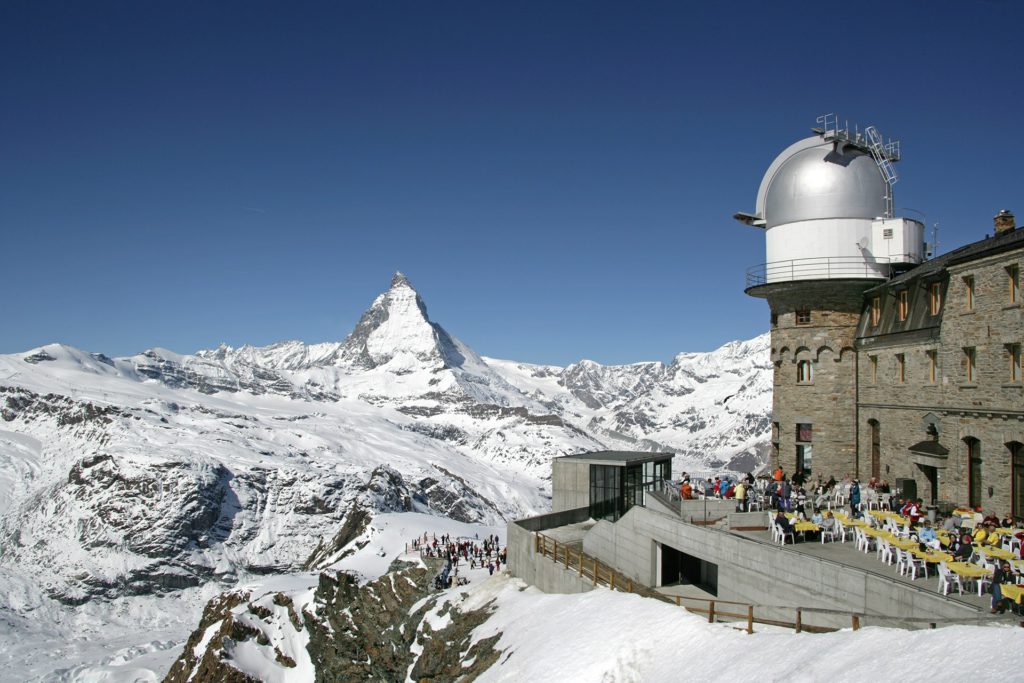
[814,323]
[976,410]
[911,379]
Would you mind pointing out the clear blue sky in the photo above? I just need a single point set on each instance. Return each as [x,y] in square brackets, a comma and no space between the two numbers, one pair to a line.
[556,178]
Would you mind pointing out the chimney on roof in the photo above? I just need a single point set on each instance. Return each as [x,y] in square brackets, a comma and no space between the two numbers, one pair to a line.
[1004,222]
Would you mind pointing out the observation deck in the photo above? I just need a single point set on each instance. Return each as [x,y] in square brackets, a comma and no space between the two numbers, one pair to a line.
[820,268]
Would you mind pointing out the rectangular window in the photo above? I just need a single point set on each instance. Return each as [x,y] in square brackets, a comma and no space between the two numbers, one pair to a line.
[973,472]
[901,368]
[902,304]
[935,298]
[803,317]
[969,292]
[933,366]
[775,320]
[1016,367]
[606,497]
[804,372]
[804,431]
[970,364]
[1014,276]
[876,311]
[803,458]
[775,431]
[874,369]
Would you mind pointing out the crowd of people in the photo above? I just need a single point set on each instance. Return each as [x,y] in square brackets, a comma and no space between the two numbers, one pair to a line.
[962,534]
[796,499]
[472,552]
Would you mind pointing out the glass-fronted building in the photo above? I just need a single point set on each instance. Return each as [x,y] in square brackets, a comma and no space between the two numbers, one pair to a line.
[608,482]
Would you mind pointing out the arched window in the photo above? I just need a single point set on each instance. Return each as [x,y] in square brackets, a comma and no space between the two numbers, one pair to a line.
[1017,465]
[876,448]
[973,449]
[804,372]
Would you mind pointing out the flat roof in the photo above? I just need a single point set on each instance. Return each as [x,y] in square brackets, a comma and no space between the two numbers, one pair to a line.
[627,457]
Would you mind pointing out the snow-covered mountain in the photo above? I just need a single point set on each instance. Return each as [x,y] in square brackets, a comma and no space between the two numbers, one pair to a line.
[160,473]
[711,409]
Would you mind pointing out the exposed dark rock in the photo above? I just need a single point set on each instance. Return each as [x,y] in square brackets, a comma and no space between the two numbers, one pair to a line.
[355,524]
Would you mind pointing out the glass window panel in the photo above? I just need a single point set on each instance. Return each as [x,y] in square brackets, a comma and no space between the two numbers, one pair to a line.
[804,432]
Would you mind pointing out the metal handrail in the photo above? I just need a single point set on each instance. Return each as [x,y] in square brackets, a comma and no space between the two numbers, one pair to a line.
[820,268]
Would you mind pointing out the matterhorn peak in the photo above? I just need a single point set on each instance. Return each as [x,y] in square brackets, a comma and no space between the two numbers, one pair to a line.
[396,324]
[400,280]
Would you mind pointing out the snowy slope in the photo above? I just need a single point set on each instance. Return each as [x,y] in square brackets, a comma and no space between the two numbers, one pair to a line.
[162,474]
[498,629]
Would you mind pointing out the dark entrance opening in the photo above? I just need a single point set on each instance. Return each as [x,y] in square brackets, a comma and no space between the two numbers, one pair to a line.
[678,568]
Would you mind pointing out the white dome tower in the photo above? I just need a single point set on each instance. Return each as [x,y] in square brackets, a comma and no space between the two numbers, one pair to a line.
[825,205]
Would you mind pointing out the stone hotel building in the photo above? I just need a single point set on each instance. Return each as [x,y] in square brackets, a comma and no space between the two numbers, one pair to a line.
[888,364]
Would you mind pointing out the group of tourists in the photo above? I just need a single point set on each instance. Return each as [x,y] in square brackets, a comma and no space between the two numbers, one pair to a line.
[975,540]
[987,537]
[476,553]
[719,487]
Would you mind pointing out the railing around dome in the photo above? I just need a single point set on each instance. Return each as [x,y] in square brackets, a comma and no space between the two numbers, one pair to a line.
[822,268]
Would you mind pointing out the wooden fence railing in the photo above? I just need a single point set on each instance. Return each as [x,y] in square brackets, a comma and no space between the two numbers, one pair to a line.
[597,573]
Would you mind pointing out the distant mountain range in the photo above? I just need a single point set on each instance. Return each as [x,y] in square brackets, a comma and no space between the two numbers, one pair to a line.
[156,472]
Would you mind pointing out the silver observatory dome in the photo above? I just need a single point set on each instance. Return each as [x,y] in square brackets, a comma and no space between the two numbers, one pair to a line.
[814,179]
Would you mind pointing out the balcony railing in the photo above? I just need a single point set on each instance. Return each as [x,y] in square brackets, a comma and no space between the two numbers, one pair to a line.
[823,268]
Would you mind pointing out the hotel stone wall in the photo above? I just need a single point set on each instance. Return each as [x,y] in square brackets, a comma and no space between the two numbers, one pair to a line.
[990,408]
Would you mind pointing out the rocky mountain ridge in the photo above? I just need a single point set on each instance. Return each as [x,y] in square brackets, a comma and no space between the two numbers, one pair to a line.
[162,472]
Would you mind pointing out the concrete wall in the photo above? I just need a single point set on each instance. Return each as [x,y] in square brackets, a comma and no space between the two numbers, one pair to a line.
[570,484]
[534,568]
[716,508]
[763,573]
[748,520]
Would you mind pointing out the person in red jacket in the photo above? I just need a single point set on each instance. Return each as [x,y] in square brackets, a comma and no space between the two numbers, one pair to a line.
[912,510]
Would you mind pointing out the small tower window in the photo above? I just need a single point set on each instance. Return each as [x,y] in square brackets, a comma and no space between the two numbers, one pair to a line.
[901,368]
[933,366]
[1013,272]
[970,364]
[804,372]
[874,369]
[935,298]
[876,311]
[969,292]
[1016,362]
[803,447]
[902,304]
[803,316]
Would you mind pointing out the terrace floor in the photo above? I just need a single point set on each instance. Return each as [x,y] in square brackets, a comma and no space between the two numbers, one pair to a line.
[847,554]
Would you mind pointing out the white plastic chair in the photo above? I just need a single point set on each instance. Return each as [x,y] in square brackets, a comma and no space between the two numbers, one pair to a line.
[831,533]
[948,580]
[914,565]
[782,533]
[885,551]
[863,540]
